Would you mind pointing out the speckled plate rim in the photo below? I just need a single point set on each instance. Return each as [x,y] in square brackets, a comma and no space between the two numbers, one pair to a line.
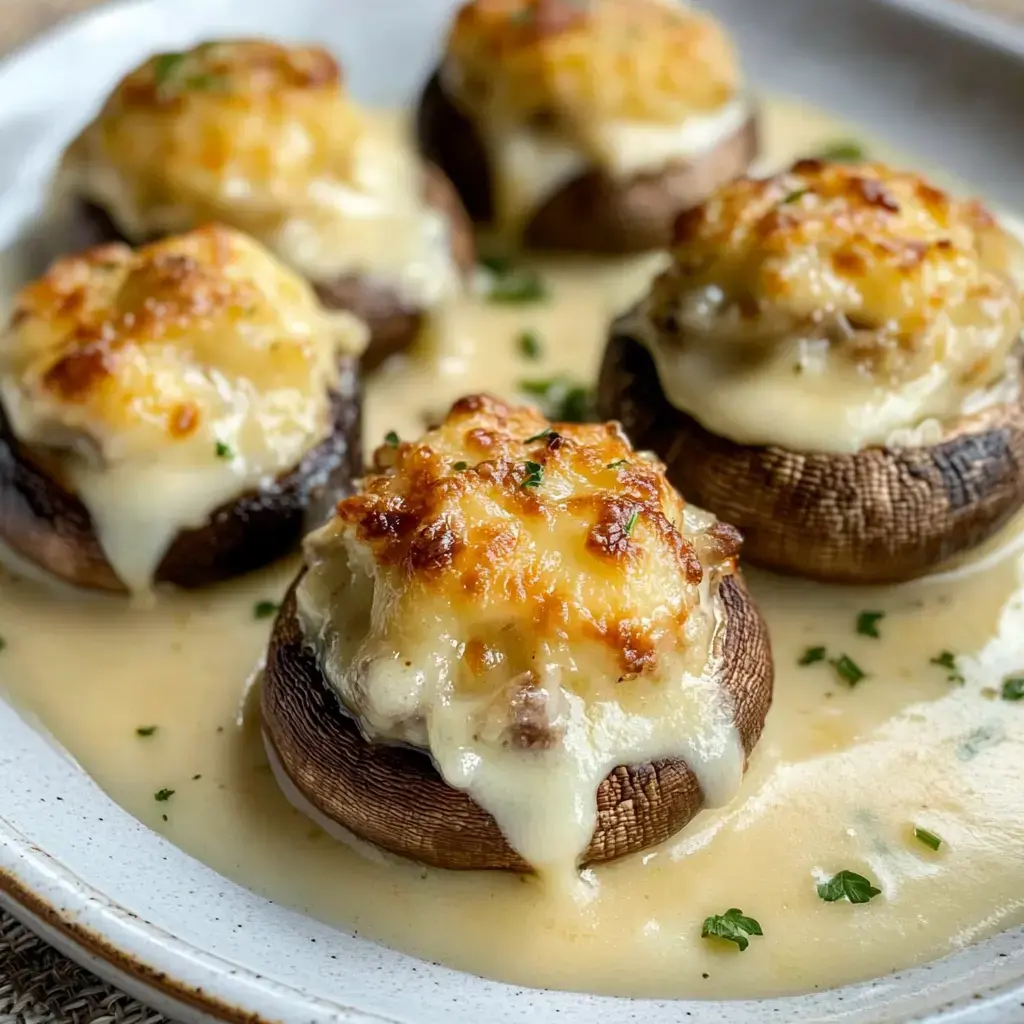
[127,903]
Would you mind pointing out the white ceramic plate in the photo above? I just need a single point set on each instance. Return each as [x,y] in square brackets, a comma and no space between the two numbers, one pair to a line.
[124,901]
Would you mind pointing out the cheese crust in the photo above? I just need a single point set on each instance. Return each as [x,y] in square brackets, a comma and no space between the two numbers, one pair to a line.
[498,516]
[263,137]
[192,343]
[555,62]
[893,274]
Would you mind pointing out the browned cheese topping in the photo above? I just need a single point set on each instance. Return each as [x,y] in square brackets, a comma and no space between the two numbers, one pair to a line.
[242,125]
[553,63]
[883,268]
[182,340]
[502,517]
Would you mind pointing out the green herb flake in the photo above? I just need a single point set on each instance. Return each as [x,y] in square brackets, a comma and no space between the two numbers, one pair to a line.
[842,151]
[391,439]
[812,656]
[223,451]
[514,285]
[165,65]
[929,839]
[867,624]
[732,926]
[848,670]
[460,466]
[631,521]
[196,778]
[534,475]
[163,795]
[3,643]
[265,609]
[1013,689]
[794,197]
[529,345]
[539,437]
[203,83]
[145,730]
[615,465]
[847,885]
[947,660]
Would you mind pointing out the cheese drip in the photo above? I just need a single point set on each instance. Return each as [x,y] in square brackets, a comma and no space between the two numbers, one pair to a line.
[528,702]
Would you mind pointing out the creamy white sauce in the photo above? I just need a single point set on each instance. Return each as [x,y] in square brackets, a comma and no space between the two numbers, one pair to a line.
[839,780]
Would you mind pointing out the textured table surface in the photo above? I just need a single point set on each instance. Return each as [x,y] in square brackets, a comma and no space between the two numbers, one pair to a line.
[37,984]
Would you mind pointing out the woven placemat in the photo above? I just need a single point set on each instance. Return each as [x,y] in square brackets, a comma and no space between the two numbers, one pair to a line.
[37,984]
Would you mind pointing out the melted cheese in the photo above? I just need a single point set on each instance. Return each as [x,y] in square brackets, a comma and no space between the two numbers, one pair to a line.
[168,380]
[262,137]
[532,638]
[834,307]
[556,89]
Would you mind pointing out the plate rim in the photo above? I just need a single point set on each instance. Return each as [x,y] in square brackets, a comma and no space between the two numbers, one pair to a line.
[31,878]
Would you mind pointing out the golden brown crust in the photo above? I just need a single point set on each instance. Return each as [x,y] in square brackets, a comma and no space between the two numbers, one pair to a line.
[46,524]
[468,515]
[392,796]
[893,272]
[121,345]
[562,60]
[594,212]
[880,515]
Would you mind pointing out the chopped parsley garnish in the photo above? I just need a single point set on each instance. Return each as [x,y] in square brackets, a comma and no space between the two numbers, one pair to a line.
[165,65]
[538,437]
[947,660]
[145,730]
[812,656]
[391,439]
[794,196]
[619,462]
[3,643]
[732,926]
[196,778]
[631,521]
[512,284]
[561,399]
[929,839]
[534,475]
[203,83]
[223,451]
[847,885]
[460,466]
[265,609]
[867,623]
[163,795]
[847,669]
[842,151]
[530,345]
[1013,689]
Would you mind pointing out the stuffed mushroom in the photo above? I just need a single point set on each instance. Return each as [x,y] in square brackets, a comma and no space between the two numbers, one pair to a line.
[832,363]
[515,648]
[263,137]
[586,126]
[178,413]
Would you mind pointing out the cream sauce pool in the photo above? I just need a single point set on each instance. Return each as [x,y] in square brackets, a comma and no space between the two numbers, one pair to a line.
[157,706]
